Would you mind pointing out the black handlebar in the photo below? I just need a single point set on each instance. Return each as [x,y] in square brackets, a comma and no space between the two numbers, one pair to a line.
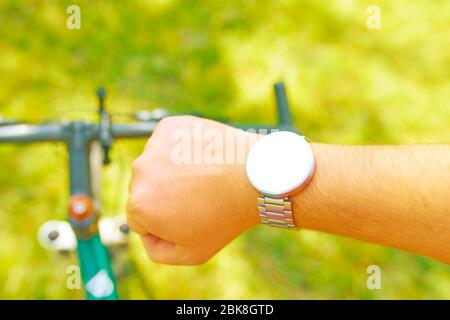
[284,114]
[54,132]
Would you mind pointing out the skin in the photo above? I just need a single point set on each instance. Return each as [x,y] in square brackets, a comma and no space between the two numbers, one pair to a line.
[396,196]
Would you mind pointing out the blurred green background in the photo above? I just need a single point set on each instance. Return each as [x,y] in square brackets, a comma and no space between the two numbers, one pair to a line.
[346,83]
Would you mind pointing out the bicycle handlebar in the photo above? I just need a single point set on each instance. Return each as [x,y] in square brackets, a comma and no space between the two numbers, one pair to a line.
[19,133]
[54,132]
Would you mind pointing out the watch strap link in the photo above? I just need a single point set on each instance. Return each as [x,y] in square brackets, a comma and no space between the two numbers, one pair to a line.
[276,212]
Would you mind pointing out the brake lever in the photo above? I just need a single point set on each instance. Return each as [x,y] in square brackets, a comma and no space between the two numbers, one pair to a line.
[153,115]
[105,135]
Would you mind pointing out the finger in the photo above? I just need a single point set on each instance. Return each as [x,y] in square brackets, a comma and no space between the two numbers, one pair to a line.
[135,226]
[163,251]
[160,126]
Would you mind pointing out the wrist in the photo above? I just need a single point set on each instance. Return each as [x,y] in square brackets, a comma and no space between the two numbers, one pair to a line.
[279,166]
[242,192]
[249,195]
[308,204]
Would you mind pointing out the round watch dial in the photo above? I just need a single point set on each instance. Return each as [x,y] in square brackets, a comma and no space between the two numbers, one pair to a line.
[280,164]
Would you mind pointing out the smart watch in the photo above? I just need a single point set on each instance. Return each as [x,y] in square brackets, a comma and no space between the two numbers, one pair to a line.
[279,165]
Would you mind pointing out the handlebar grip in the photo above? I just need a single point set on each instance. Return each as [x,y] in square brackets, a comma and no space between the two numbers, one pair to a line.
[22,133]
[284,114]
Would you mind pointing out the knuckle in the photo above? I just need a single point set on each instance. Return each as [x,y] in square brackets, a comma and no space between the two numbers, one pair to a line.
[133,206]
[137,207]
[133,225]
[135,213]
[165,123]
[137,164]
[175,121]
[153,191]
[143,206]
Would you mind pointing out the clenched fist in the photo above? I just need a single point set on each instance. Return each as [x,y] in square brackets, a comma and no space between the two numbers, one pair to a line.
[189,195]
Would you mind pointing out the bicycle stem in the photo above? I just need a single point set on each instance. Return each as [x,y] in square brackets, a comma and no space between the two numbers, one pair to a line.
[95,264]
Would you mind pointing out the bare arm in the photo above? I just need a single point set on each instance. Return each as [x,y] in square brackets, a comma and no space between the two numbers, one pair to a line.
[398,196]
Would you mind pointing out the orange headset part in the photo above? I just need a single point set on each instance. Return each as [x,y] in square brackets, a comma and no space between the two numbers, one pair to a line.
[80,207]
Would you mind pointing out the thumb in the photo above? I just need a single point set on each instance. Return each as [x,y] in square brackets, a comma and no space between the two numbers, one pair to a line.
[162,251]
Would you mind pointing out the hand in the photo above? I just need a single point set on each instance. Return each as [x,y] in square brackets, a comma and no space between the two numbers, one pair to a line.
[186,212]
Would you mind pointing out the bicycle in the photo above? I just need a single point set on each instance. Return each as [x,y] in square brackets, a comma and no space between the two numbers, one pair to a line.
[85,232]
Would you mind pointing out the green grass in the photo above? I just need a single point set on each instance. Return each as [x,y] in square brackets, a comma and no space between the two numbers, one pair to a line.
[346,83]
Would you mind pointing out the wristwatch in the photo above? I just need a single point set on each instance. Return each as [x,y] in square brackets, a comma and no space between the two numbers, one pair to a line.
[279,165]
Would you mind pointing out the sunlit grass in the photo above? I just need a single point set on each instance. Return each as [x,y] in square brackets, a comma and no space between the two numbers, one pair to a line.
[346,84]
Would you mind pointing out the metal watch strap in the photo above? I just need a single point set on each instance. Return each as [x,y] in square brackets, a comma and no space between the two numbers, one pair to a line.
[276,212]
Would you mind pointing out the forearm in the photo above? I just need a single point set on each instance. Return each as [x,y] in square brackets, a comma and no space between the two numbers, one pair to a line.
[187,212]
[396,196]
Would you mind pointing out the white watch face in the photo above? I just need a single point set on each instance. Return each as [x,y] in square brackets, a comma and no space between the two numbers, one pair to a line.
[280,163]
